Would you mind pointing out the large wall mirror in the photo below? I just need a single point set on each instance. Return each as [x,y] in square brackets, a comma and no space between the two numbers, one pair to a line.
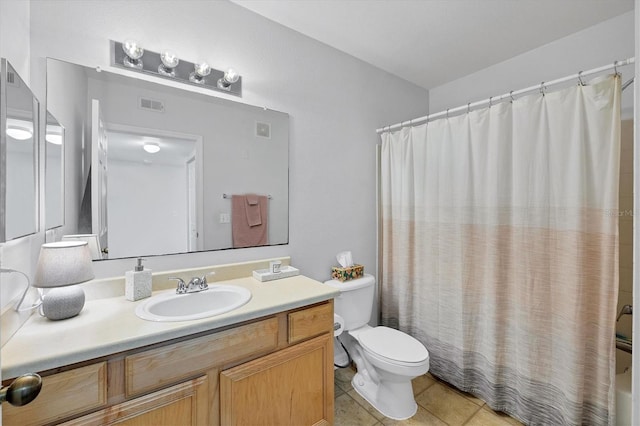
[152,169]
[18,156]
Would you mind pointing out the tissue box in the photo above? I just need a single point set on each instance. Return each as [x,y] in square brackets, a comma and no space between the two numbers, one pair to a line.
[345,274]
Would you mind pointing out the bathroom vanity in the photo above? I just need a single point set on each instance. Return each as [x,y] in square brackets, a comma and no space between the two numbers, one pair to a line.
[268,362]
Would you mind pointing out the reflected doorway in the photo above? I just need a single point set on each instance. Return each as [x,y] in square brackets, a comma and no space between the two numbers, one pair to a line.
[149,210]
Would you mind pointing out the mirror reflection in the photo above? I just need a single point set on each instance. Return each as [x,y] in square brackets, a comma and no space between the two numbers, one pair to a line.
[54,173]
[147,166]
[19,142]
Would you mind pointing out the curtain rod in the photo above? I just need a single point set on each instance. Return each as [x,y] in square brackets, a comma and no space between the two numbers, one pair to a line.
[541,87]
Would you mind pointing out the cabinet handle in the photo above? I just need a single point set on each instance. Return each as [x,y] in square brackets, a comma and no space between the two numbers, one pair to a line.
[22,391]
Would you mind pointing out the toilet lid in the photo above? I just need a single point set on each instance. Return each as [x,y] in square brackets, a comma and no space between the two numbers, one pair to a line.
[393,344]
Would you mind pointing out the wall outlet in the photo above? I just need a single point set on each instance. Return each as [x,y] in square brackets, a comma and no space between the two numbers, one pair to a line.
[225,218]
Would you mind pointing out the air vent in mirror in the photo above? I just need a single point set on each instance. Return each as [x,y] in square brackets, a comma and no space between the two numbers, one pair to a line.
[11,79]
[151,104]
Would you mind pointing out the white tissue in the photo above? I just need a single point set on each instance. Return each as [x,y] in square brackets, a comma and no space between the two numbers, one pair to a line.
[345,259]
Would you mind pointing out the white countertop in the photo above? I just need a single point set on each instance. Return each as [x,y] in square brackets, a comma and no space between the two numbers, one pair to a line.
[109,325]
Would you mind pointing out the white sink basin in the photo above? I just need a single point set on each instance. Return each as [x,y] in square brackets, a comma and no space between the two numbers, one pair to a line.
[170,306]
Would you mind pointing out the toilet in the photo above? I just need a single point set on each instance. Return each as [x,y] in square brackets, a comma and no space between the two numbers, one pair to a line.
[387,359]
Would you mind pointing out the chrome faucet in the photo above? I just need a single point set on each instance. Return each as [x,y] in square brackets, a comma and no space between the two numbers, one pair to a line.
[626,310]
[195,284]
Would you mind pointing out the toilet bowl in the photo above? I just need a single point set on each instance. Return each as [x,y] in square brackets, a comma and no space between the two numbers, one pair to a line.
[387,359]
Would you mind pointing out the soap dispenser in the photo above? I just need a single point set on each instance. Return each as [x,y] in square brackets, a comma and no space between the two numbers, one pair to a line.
[137,282]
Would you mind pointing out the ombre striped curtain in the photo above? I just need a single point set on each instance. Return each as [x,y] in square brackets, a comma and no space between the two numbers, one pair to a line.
[500,250]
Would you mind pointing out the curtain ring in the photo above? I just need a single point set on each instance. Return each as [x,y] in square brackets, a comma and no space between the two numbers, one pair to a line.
[490,99]
[511,96]
[468,107]
[447,112]
[580,79]
[542,88]
[615,68]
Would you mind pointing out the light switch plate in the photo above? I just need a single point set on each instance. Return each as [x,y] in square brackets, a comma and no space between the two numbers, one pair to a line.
[224,218]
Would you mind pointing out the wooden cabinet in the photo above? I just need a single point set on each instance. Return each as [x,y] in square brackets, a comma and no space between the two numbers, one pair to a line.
[62,395]
[272,370]
[183,404]
[291,387]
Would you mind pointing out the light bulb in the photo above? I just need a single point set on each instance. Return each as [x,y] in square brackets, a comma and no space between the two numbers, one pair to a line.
[133,51]
[200,71]
[169,62]
[169,59]
[230,77]
[203,69]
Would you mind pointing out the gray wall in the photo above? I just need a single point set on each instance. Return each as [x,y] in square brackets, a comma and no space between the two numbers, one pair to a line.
[335,103]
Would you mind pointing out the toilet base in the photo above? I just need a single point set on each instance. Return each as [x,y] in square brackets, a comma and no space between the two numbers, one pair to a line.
[392,399]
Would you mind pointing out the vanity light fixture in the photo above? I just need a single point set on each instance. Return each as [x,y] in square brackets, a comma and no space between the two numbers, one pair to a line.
[230,76]
[169,62]
[167,65]
[151,147]
[61,265]
[133,52]
[200,71]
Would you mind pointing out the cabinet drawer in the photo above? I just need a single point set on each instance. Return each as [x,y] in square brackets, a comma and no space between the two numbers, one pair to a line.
[62,395]
[310,322]
[182,404]
[155,368]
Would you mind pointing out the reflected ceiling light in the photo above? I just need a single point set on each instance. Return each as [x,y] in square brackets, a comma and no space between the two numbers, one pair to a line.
[133,51]
[169,62]
[151,147]
[54,135]
[200,71]
[230,76]
[19,130]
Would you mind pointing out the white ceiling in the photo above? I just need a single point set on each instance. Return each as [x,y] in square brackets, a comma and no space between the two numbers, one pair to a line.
[431,42]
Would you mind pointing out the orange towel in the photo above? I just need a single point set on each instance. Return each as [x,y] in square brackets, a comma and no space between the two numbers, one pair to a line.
[244,235]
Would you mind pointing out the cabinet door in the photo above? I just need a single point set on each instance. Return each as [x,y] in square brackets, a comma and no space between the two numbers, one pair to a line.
[183,404]
[291,387]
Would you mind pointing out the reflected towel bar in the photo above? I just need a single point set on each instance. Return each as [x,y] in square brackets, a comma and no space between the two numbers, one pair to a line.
[228,196]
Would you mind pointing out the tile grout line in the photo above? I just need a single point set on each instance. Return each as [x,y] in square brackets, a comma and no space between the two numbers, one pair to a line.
[472,416]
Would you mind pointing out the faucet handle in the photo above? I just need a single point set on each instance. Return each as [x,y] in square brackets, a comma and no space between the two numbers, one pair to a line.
[182,287]
[203,281]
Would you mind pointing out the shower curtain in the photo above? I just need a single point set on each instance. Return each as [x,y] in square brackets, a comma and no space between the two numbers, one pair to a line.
[499,250]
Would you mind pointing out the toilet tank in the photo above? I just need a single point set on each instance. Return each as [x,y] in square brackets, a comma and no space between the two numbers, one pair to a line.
[355,301]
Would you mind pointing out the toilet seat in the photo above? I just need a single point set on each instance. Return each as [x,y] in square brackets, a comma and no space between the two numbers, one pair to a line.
[393,346]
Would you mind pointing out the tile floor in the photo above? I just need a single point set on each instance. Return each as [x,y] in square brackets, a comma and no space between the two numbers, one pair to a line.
[439,404]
